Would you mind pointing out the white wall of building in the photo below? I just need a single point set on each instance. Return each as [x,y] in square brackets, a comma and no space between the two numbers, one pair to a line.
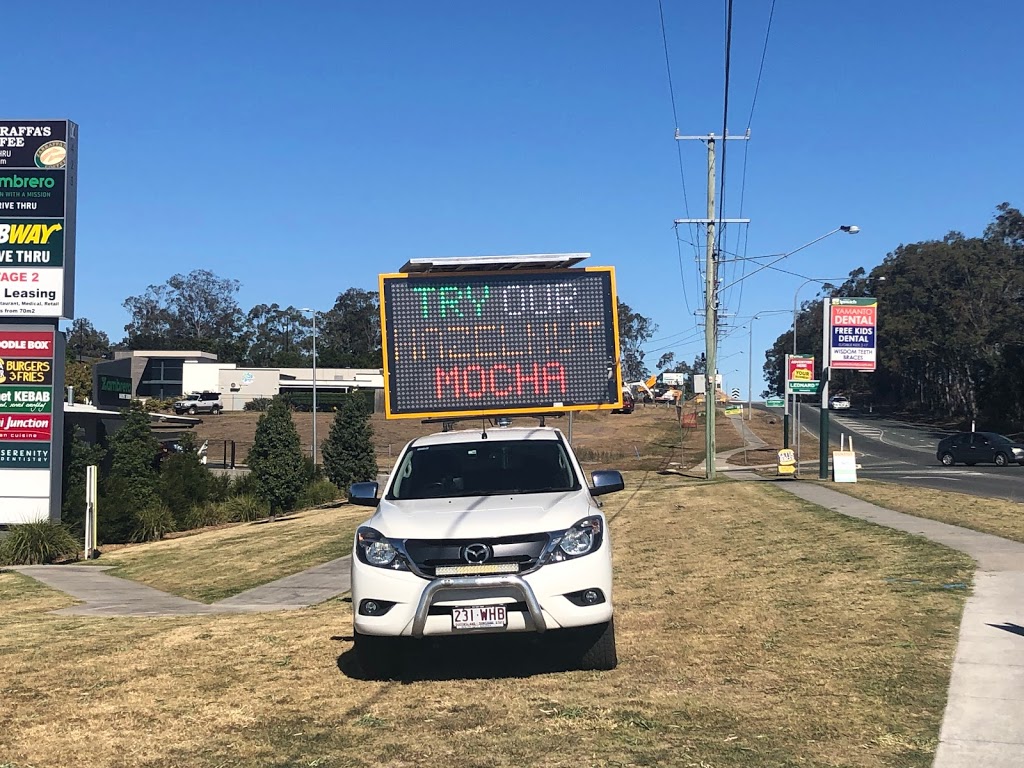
[202,377]
[240,385]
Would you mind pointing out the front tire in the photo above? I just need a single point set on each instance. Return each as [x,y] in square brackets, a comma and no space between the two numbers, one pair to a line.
[947,459]
[594,647]
[1001,460]
[192,410]
[379,657]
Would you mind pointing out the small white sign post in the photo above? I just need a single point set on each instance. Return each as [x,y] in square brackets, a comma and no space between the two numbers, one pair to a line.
[91,497]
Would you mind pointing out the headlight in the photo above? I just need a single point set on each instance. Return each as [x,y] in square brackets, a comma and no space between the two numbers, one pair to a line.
[1018,451]
[373,548]
[582,539]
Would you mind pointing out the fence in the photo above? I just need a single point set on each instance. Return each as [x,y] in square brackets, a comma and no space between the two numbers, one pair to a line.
[229,454]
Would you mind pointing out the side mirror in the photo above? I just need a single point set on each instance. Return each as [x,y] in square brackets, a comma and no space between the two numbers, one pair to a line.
[606,481]
[363,494]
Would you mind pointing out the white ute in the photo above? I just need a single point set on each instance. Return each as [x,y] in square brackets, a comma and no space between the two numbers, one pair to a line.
[484,532]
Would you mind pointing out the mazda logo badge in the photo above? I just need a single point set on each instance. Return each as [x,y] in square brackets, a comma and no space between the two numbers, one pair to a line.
[474,554]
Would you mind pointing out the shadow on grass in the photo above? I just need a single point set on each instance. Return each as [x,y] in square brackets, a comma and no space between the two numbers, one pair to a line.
[467,657]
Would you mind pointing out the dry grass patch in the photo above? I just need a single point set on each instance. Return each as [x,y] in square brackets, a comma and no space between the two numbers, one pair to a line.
[754,630]
[215,564]
[996,516]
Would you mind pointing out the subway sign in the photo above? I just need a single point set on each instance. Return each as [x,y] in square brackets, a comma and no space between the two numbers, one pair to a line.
[465,344]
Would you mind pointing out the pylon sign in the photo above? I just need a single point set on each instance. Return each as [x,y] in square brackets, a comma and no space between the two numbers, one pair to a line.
[31,422]
[800,375]
[852,325]
[38,194]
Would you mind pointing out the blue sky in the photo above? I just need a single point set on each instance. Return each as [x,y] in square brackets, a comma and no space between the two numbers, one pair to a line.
[304,147]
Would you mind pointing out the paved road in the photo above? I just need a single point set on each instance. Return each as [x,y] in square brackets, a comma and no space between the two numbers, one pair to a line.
[905,453]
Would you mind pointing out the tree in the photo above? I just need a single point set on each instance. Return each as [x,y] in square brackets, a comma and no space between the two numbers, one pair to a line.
[349,333]
[634,331]
[276,460]
[278,338]
[85,342]
[193,311]
[79,376]
[131,482]
[78,455]
[184,480]
[349,455]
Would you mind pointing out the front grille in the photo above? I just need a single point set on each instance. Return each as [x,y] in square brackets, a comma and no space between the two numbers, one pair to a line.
[524,551]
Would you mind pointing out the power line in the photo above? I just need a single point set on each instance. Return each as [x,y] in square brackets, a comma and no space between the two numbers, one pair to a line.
[725,106]
[750,120]
[675,112]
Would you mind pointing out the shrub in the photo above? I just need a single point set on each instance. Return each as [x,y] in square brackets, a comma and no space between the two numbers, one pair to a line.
[349,455]
[245,509]
[276,459]
[244,485]
[203,515]
[220,487]
[78,455]
[37,543]
[317,493]
[258,404]
[131,482]
[154,522]
[184,480]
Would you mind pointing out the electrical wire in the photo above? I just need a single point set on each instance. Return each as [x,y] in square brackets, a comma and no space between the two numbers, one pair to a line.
[675,118]
[750,120]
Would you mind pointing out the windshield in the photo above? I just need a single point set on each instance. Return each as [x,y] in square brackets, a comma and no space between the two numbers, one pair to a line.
[484,468]
[1000,439]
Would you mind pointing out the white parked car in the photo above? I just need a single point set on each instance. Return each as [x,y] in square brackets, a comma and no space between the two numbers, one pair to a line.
[838,402]
[484,532]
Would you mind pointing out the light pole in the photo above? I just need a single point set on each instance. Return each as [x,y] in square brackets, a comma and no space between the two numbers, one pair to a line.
[796,410]
[312,314]
[850,229]
[750,357]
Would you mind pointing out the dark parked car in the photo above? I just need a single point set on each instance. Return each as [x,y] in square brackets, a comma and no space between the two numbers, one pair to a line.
[972,448]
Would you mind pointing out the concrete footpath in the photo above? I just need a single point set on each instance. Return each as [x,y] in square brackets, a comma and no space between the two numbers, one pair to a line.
[105,595]
[984,720]
[983,725]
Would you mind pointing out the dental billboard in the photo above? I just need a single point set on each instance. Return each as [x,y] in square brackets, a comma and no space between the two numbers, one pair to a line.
[852,331]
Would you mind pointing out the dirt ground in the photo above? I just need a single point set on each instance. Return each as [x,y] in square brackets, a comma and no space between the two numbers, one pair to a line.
[652,437]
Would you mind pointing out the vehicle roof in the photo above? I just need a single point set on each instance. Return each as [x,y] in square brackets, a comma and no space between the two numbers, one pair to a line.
[493,433]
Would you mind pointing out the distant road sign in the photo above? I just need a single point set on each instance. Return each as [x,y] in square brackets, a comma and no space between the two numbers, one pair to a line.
[736,393]
[775,402]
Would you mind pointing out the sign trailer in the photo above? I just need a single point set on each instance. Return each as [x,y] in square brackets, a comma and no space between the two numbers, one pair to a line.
[479,343]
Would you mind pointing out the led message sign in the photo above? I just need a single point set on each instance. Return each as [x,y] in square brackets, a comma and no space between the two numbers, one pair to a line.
[483,343]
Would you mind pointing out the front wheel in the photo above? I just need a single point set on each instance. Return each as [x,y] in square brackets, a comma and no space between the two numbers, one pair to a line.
[947,459]
[192,410]
[379,657]
[594,646]
[1001,460]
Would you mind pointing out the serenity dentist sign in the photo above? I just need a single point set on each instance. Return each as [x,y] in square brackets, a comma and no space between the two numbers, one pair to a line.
[853,324]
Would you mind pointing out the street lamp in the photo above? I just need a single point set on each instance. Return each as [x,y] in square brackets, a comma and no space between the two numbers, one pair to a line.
[750,357]
[312,314]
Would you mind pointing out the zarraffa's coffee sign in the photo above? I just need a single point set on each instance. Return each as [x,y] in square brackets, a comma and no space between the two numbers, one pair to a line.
[38,194]
[34,143]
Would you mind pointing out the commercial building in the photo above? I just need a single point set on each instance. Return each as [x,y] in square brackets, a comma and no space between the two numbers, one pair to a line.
[141,374]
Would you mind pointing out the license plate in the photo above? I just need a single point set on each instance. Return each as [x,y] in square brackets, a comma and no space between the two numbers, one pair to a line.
[479,617]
